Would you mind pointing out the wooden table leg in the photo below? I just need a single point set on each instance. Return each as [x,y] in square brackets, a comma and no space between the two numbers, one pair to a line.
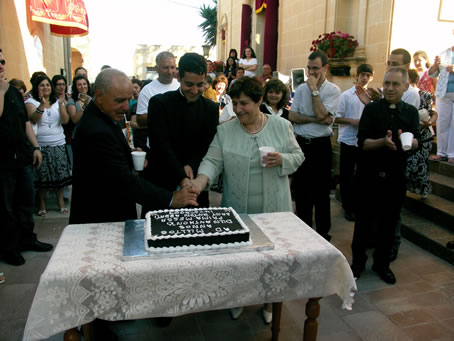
[89,331]
[72,335]
[276,324]
[311,323]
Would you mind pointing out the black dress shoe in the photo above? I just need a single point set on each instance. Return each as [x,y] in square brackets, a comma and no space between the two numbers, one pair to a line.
[163,321]
[13,258]
[393,255]
[349,215]
[37,246]
[357,269]
[103,332]
[326,236]
[385,274]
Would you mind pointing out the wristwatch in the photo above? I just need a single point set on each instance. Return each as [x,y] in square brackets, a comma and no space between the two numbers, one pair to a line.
[37,148]
[315,93]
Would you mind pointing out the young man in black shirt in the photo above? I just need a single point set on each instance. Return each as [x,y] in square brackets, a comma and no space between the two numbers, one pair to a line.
[181,126]
[19,151]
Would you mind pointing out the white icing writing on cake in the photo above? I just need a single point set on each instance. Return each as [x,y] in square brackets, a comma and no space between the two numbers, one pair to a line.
[174,227]
[194,222]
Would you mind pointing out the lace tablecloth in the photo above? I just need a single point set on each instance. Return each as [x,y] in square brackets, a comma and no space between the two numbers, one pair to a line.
[87,279]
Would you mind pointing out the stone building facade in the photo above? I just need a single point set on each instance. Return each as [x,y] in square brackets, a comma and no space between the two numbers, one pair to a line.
[379,26]
[28,45]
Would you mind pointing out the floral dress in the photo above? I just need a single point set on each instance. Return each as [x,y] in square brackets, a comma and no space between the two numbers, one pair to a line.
[417,171]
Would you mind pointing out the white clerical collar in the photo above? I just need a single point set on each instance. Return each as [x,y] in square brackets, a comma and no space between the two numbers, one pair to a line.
[181,93]
[392,106]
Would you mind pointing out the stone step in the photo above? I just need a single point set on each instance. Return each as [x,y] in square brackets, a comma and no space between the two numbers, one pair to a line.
[434,208]
[441,167]
[427,235]
[442,186]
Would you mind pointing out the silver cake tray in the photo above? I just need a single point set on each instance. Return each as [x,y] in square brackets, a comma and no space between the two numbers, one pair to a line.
[134,243]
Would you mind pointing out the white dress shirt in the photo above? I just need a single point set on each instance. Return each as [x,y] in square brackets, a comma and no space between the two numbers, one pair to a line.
[302,104]
[350,106]
[411,96]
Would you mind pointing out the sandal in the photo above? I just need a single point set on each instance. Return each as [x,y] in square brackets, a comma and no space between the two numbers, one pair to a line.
[42,213]
[438,158]
[236,312]
[63,210]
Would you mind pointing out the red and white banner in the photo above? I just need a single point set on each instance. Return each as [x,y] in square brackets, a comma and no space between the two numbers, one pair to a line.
[66,17]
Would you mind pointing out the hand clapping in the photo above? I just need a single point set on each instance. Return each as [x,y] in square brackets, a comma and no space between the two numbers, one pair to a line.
[362,94]
[42,99]
[389,141]
[4,85]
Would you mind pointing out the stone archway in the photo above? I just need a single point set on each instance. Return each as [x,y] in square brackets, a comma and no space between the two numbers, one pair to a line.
[76,60]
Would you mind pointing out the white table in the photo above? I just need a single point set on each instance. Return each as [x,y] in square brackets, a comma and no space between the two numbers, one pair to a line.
[87,279]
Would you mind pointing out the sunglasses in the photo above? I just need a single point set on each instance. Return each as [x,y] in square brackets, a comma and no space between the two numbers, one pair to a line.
[2,61]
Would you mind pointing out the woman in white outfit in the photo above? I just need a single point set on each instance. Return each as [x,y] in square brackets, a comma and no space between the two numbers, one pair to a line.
[49,113]
[248,62]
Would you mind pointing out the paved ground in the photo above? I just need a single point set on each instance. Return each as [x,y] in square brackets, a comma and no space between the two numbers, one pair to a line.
[419,307]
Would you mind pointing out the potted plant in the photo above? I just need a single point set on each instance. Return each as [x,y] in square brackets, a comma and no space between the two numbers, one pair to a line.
[335,44]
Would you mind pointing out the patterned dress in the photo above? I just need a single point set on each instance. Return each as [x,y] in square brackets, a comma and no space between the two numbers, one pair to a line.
[417,171]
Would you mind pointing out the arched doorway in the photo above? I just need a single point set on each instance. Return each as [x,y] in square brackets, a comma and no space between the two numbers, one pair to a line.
[76,60]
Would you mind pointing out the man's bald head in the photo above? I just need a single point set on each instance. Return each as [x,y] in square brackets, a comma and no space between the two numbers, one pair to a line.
[105,78]
[113,89]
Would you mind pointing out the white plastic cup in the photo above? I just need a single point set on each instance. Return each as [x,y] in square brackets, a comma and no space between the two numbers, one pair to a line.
[423,115]
[407,140]
[264,152]
[138,159]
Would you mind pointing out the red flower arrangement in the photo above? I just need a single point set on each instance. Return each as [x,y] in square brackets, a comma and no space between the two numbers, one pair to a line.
[335,44]
[218,66]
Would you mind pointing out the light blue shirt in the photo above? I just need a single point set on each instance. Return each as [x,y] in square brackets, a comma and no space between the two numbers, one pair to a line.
[450,87]
[302,104]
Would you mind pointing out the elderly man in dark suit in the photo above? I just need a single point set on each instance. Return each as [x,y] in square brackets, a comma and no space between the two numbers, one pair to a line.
[104,186]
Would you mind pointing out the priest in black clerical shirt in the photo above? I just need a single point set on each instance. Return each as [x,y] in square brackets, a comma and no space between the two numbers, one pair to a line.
[381,172]
[181,126]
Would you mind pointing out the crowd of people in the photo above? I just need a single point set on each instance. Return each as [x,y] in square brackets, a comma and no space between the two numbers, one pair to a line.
[201,127]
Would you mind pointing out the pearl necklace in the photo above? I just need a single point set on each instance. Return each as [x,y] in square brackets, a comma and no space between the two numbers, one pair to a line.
[257,131]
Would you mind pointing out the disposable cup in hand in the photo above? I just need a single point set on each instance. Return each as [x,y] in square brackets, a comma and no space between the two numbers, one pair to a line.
[264,152]
[407,140]
[138,158]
